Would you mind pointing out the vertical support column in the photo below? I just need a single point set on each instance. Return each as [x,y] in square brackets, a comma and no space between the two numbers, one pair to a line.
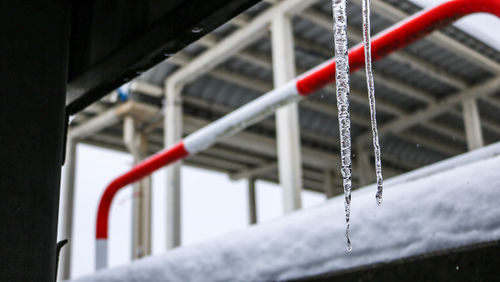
[136,143]
[68,207]
[329,183]
[173,133]
[252,205]
[472,121]
[364,165]
[142,206]
[33,72]
[287,117]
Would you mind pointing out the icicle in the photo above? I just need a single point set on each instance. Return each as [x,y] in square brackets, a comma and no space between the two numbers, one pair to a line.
[342,84]
[371,98]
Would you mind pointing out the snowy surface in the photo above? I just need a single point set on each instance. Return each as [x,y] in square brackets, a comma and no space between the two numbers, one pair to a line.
[454,207]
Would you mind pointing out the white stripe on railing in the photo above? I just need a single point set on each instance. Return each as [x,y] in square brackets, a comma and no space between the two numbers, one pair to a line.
[241,118]
[101,254]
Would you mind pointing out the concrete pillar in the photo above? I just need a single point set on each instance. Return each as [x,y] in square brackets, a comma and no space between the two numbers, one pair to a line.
[67,209]
[136,143]
[34,56]
[329,184]
[173,133]
[287,117]
[472,121]
[252,204]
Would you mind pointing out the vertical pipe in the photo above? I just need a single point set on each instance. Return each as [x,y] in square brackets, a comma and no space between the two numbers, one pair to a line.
[67,208]
[136,143]
[287,117]
[472,121]
[252,205]
[145,205]
[101,254]
[173,133]
[329,184]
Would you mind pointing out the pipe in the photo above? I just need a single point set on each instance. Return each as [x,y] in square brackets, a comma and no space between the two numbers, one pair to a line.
[136,143]
[388,41]
[172,129]
[146,88]
[96,124]
[67,204]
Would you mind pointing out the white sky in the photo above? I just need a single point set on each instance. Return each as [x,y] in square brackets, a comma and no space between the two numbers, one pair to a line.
[211,205]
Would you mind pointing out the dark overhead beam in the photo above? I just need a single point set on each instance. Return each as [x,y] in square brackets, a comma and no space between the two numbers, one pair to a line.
[113,41]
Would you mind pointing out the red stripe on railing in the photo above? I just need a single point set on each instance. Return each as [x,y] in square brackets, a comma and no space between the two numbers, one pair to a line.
[139,171]
[398,37]
[388,41]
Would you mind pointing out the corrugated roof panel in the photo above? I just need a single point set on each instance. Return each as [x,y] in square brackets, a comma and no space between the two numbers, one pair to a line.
[224,30]
[411,77]
[444,59]
[437,137]
[450,121]
[194,49]
[246,68]
[158,73]
[408,152]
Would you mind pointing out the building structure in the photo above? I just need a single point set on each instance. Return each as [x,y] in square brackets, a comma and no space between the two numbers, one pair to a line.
[424,103]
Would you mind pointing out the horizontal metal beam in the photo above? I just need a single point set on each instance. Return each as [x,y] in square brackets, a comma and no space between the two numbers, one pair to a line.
[237,41]
[433,110]
[112,116]
[255,171]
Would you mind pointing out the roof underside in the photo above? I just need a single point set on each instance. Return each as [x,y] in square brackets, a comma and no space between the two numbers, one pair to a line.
[406,82]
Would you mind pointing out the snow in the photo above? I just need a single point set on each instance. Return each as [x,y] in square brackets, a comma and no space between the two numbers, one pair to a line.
[455,204]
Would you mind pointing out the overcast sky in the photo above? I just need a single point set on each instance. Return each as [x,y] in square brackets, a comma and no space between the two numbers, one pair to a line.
[211,204]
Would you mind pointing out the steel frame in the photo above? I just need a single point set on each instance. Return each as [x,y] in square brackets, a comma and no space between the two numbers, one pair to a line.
[388,41]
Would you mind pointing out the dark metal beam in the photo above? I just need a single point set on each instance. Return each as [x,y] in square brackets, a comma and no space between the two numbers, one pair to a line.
[113,41]
[470,263]
[33,69]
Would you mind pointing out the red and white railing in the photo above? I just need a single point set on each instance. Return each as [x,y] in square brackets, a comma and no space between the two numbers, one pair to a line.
[384,43]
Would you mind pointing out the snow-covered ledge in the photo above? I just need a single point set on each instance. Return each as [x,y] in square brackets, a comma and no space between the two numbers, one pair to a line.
[449,204]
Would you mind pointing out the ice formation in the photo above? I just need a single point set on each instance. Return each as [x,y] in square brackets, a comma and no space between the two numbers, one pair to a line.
[371,98]
[342,84]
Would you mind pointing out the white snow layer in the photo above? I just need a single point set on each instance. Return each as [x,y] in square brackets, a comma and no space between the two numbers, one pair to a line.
[453,207]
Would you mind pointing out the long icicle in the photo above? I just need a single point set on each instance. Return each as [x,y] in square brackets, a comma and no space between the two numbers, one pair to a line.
[342,85]
[371,98]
